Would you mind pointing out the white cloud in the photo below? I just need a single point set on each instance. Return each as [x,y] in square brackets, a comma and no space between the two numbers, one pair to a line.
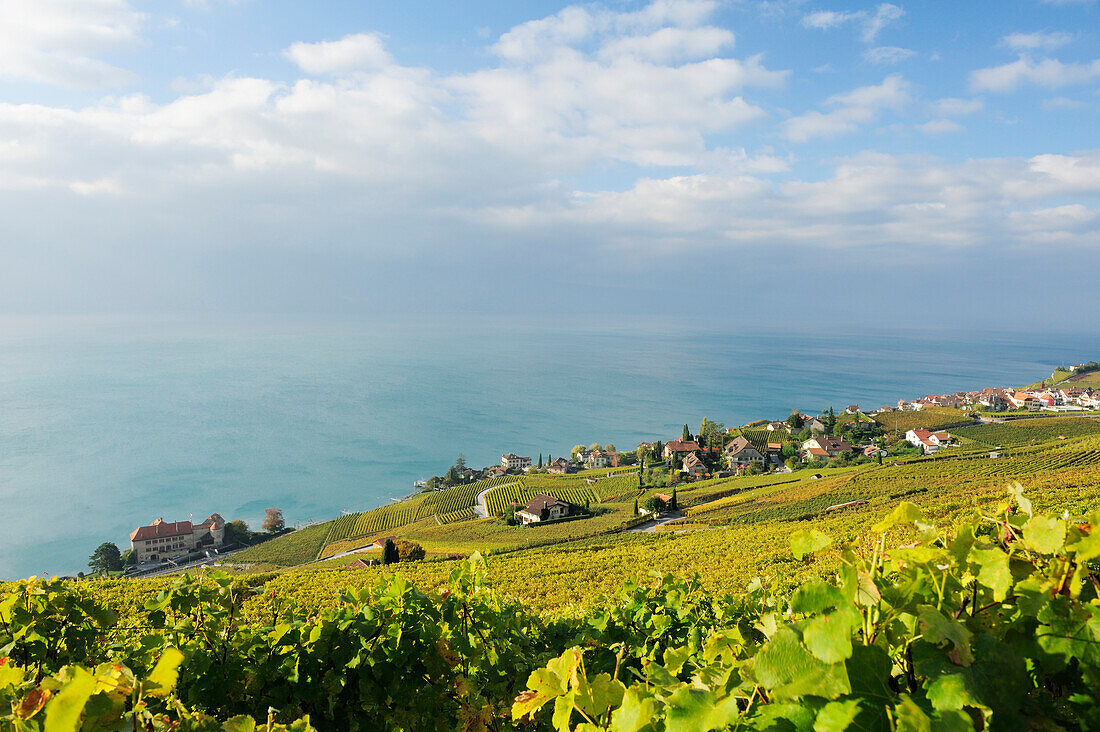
[357,52]
[1047,72]
[63,42]
[955,107]
[375,153]
[887,54]
[671,44]
[1036,41]
[940,127]
[870,23]
[827,19]
[869,200]
[1063,103]
[847,112]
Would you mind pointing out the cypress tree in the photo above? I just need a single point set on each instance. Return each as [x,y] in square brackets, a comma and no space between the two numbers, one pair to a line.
[672,503]
[686,435]
[389,553]
[540,461]
[635,506]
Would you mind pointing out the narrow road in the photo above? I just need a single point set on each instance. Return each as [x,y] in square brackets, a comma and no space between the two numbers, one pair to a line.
[480,507]
[650,526]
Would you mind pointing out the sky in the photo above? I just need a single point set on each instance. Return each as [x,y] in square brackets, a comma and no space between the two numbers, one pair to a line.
[819,162]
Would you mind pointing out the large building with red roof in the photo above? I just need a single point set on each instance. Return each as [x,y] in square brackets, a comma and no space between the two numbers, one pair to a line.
[162,539]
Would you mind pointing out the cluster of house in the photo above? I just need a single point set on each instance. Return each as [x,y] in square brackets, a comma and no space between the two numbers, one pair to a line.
[1068,399]
[163,540]
[512,463]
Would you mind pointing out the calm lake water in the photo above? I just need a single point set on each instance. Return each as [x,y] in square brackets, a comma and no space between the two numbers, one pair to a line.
[106,425]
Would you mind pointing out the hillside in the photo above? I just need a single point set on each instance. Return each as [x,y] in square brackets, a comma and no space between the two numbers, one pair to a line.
[796,597]
[732,529]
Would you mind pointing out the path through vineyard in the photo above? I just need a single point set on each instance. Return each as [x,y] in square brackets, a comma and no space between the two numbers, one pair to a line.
[480,507]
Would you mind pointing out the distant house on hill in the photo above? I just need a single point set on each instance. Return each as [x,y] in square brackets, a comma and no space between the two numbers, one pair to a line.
[778,427]
[741,453]
[544,508]
[680,447]
[814,425]
[512,461]
[927,440]
[599,458]
[694,465]
[851,409]
[161,540]
[825,446]
[559,466]
[1024,400]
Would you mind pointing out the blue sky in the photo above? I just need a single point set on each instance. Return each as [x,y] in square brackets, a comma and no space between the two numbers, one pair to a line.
[618,158]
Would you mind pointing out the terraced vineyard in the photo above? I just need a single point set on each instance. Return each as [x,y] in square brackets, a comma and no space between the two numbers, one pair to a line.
[1023,432]
[927,418]
[499,500]
[296,547]
[463,514]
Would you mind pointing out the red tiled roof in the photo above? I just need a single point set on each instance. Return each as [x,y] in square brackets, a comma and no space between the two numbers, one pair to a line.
[160,529]
[541,501]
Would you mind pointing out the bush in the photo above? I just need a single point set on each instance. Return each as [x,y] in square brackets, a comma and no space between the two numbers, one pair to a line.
[408,551]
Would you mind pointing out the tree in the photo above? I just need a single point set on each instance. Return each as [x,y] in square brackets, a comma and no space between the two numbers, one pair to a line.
[595,446]
[237,532]
[128,558]
[635,506]
[273,520]
[672,503]
[544,514]
[610,447]
[461,462]
[830,422]
[577,449]
[640,469]
[105,558]
[686,436]
[710,433]
[408,551]
[389,553]
[796,420]
[540,461]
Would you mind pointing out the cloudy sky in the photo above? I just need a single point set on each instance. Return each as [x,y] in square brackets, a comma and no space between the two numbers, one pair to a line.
[821,161]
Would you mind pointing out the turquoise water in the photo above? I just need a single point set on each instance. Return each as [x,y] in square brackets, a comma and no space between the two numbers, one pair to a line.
[107,425]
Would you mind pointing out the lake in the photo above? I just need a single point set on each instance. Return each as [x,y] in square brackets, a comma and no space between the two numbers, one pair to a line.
[109,424]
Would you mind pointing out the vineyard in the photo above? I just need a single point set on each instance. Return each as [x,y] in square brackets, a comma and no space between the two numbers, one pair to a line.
[1029,431]
[889,619]
[447,506]
[928,418]
[500,500]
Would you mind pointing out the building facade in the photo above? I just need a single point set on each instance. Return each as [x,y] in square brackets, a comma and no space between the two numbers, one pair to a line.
[162,540]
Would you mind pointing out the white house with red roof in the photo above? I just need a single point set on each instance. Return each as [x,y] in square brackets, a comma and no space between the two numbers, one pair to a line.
[927,440]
